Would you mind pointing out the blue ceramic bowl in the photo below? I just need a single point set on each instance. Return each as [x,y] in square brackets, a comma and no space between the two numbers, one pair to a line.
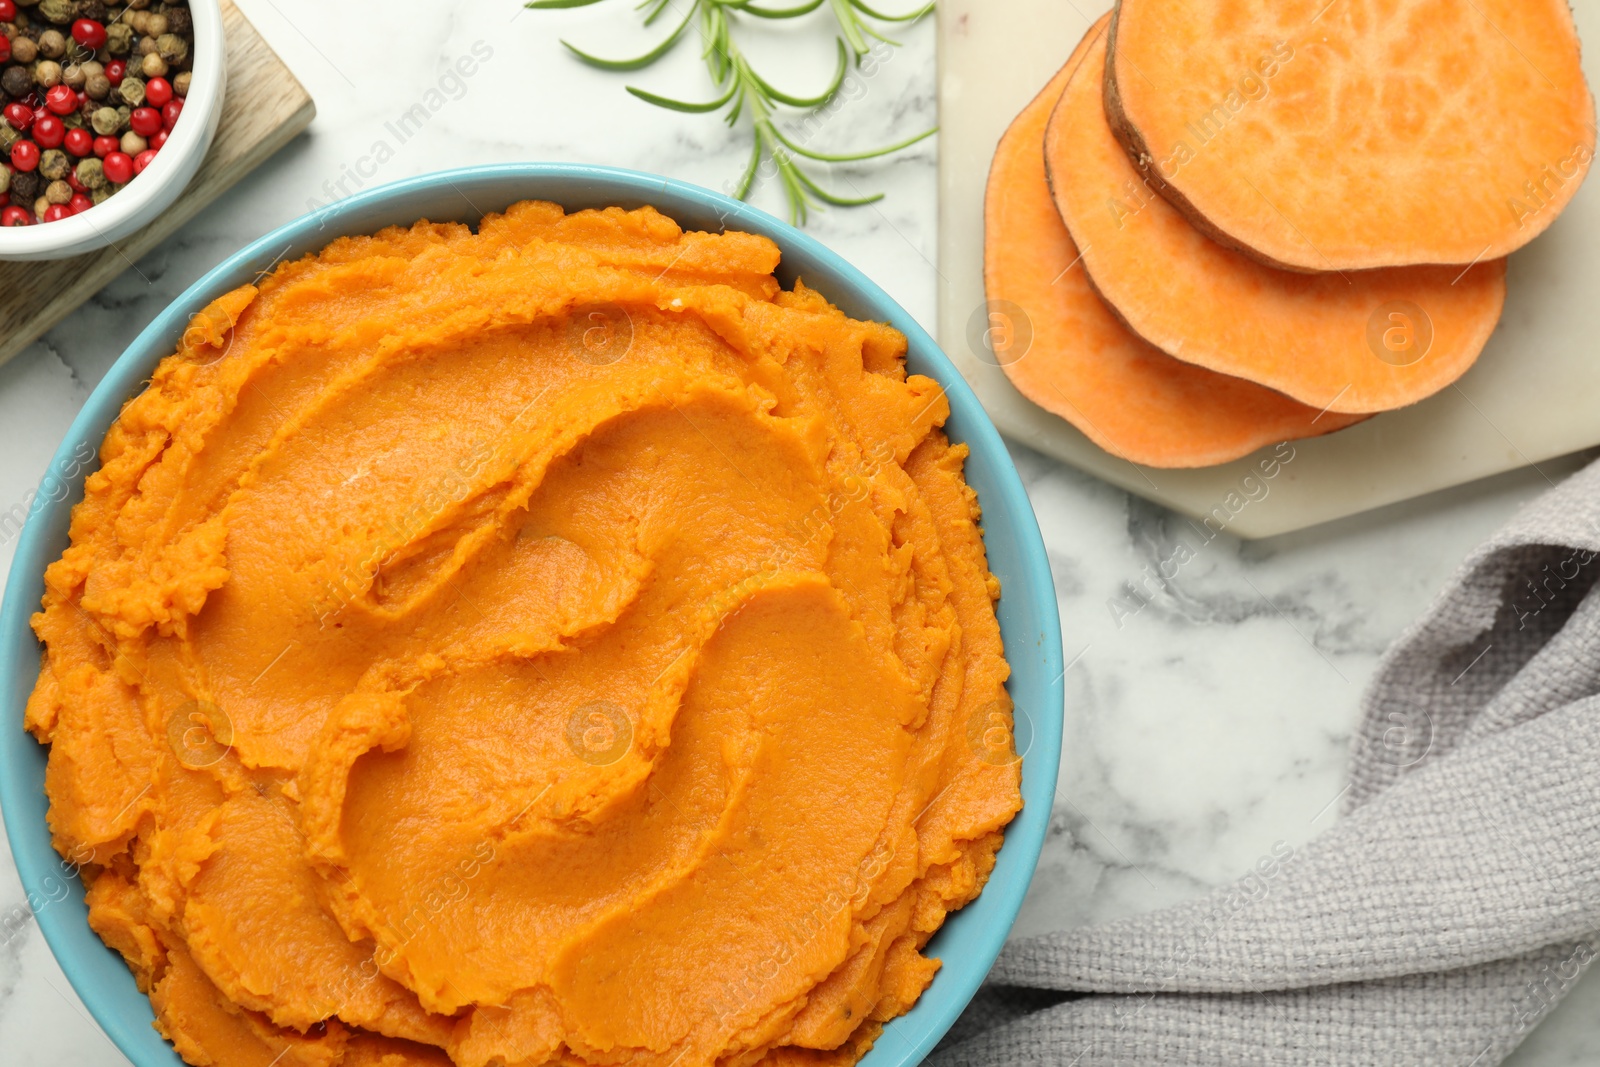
[971,938]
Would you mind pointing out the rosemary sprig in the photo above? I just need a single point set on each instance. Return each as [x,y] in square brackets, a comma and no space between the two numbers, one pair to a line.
[746,93]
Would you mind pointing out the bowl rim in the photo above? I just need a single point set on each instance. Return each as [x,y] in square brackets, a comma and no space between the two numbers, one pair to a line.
[100,977]
[99,225]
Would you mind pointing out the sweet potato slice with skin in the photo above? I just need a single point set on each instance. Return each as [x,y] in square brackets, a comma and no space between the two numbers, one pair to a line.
[1317,337]
[1127,396]
[1350,134]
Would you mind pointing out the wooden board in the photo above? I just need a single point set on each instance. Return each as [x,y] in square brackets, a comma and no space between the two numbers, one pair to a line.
[263,108]
[1534,395]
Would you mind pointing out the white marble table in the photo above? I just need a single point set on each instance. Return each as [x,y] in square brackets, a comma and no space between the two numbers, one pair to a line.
[1199,733]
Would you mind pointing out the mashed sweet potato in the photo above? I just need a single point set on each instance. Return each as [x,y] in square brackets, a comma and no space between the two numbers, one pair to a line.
[550,644]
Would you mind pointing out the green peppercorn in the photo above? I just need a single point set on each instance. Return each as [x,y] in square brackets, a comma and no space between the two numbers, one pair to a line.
[54,164]
[171,47]
[131,90]
[119,38]
[106,122]
[56,11]
[8,137]
[91,174]
[5,177]
[100,195]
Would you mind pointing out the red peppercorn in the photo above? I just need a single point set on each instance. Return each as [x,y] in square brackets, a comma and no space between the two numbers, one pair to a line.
[143,160]
[157,91]
[79,142]
[25,155]
[114,72]
[56,212]
[159,138]
[8,11]
[61,99]
[80,203]
[145,121]
[5,198]
[170,111]
[118,166]
[104,146]
[16,216]
[90,34]
[5,47]
[48,131]
[19,115]
[82,97]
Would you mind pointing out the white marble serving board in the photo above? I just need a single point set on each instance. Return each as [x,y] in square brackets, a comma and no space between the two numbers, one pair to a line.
[1533,395]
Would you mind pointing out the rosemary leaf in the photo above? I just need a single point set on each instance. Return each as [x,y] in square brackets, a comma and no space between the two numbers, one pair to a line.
[750,8]
[630,64]
[683,105]
[910,16]
[814,101]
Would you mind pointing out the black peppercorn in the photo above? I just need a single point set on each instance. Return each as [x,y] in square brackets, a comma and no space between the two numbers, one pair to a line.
[26,186]
[16,81]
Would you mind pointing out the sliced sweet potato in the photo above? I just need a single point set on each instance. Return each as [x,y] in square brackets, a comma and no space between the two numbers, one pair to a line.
[1348,134]
[1328,340]
[1127,396]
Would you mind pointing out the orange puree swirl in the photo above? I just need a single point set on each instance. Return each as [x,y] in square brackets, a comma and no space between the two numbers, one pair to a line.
[554,643]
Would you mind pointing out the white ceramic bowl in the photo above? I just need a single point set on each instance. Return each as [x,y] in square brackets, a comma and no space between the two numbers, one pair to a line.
[152,192]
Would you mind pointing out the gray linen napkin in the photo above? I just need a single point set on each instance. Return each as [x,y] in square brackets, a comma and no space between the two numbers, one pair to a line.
[1452,906]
